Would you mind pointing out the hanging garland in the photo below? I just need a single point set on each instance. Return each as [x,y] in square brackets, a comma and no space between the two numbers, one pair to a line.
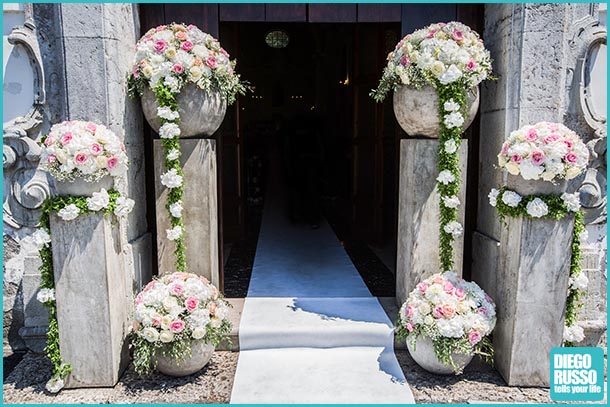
[551,206]
[67,208]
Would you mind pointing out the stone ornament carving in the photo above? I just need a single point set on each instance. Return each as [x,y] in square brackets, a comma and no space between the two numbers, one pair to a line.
[588,39]
[25,186]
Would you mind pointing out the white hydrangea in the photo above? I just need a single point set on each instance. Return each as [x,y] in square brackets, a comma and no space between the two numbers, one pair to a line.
[445,177]
[176,209]
[454,119]
[123,206]
[451,106]
[572,201]
[169,130]
[55,384]
[450,146]
[69,213]
[167,113]
[451,201]
[45,295]
[171,179]
[537,208]
[452,74]
[174,233]
[573,333]
[454,228]
[511,198]
[493,197]
[173,154]
[41,238]
[98,201]
[530,171]
[579,282]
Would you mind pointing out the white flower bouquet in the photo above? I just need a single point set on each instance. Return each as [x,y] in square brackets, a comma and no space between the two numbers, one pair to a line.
[455,314]
[440,53]
[78,149]
[176,54]
[172,311]
[547,151]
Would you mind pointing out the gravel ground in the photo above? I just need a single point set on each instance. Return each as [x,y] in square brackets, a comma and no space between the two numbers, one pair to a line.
[480,383]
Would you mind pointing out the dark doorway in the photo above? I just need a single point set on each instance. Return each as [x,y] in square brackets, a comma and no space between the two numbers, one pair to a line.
[311,116]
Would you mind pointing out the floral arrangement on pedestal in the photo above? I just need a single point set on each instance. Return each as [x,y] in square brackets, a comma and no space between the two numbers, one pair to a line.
[455,314]
[71,151]
[167,59]
[549,152]
[171,312]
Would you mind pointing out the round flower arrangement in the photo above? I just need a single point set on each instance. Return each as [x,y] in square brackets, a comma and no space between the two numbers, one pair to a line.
[455,314]
[441,53]
[547,151]
[171,312]
[176,54]
[78,149]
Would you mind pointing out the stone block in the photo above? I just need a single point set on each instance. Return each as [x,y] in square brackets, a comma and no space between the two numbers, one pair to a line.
[141,250]
[35,313]
[418,214]
[200,213]
[532,286]
[92,298]
[484,269]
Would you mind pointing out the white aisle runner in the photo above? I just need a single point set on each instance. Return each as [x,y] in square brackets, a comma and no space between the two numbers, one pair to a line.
[311,332]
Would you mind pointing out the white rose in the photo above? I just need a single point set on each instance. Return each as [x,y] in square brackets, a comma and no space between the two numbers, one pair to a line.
[572,172]
[454,228]
[167,113]
[493,197]
[173,154]
[445,177]
[529,170]
[450,146]
[68,213]
[451,106]
[174,233]
[573,333]
[176,209]
[41,238]
[123,206]
[454,119]
[579,282]
[216,322]
[198,332]
[150,334]
[438,68]
[451,201]
[537,208]
[424,308]
[98,201]
[169,130]
[196,73]
[171,179]
[512,168]
[45,295]
[572,201]
[166,336]
[511,198]
[452,74]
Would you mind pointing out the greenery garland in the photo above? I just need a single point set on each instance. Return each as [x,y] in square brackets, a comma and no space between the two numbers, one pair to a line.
[61,369]
[557,209]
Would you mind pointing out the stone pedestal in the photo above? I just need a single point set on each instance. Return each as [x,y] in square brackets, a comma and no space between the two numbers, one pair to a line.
[200,212]
[531,291]
[418,214]
[93,300]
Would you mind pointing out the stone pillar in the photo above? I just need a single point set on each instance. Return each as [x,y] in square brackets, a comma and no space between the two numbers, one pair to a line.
[200,214]
[91,290]
[418,214]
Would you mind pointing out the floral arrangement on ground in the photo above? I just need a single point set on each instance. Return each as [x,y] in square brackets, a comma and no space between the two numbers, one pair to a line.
[455,314]
[172,311]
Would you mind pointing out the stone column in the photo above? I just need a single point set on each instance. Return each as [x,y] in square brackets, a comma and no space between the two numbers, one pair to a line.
[200,214]
[418,214]
[91,293]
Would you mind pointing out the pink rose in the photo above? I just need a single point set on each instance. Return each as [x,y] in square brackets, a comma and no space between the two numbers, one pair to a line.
[422,287]
[409,311]
[516,158]
[448,287]
[112,163]
[197,62]
[139,299]
[482,310]
[460,293]
[438,280]
[448,311]
[224,52]
[176,289]
[178,68]
[410,327]
[438,312]
[204,280]
[191,27]
[187,46]
[538,157]
[531,135]
[96,149]
[571,158]
[160,46]
[150,285]
[457,35]
[404,61]
[180,275]
[91,127]
[431,34]
[48,141]
[181,35]
[66,138]
[176,326]
[471,65]
[505,148]
[552,126]
[51,158]
[212,308]
[156,321]
[211,62]
[551,138]
[191,304]
[474,337]
[80,158]
[161,28]
[568,143]
[488,299]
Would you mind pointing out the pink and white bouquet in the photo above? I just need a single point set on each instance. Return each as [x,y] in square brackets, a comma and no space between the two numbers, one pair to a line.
[78,149]
[455,314]
[174,310]
[547,151]
[176,54]
[440,53]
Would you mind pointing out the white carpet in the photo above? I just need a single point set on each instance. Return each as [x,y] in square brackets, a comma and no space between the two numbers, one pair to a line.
[310,330]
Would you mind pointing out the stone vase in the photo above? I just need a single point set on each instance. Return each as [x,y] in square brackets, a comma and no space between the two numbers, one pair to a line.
[201,353]
[201,113]
[80,187]
[417,110]
[529,187]
[423,354]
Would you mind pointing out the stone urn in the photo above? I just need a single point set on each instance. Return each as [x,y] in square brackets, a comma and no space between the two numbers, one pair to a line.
[80,187]
[423,354]
[201,113]
[417,110]
[530,187]
[201,353]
